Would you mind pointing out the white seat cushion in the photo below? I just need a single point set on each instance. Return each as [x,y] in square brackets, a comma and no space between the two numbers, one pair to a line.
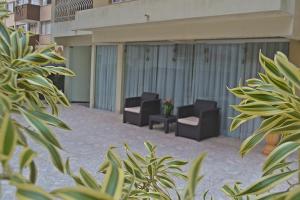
[193,121]
[133,109]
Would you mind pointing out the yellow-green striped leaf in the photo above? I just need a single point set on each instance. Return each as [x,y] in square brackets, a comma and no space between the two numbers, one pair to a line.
[265,97]
[275,196]
[60,71]
[29,192]
[193,177]
[113,181]
[38,125]
[26,157]
[291,138]
[55,156]
[279,166]
[239,120]
[267,182]
[294,194]
[33,171]
[39,81]
[258,108]
[269,65]
[89,180]
[8,138]
[288,69]
[50,119]
[80,193]
[279,154]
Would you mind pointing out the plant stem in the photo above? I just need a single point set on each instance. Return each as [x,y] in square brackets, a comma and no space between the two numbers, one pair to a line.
[4,177]
[298,166]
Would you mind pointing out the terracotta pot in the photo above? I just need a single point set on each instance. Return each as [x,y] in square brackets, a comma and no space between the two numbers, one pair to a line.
[271,141]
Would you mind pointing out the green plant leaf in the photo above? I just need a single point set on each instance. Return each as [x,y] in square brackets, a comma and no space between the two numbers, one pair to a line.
[269,65]
[113,181]
[265,128]
[29,191]
[290,138]
[33,172]
[275,196]
[239,120]
[294,194]
[193,177]
[266,183]
[38,125]
[55,156]
[8,138]
[60,71]
[39,81]
[80,193]
[89,180]
[288,69]
[279,154]
[50,119]
[279,166]
[26,157]
[258,108]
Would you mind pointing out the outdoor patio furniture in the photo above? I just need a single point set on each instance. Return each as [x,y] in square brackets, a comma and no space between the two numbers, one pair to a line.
[166,120]
[198,121]
[138,109]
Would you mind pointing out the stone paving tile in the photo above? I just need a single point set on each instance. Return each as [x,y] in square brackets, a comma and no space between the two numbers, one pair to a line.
[94,131]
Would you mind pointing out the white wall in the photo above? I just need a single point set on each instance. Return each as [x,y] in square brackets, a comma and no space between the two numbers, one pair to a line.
[136,12]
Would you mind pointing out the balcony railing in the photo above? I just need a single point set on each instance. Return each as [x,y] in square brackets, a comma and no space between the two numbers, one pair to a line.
[27,12]
[65,9]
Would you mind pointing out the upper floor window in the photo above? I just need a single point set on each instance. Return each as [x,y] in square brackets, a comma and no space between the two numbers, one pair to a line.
[33,2]
[46,2]
[118,1]
[46,28]
[23,26]
[10,6]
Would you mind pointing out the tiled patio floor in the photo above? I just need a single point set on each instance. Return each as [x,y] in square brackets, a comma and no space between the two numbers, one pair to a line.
[94,131]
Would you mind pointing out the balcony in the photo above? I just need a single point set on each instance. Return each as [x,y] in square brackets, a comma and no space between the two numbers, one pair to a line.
[157,20]
[148,11]
[65,9]
[27,13]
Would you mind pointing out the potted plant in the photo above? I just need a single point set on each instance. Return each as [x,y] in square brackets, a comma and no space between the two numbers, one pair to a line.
[271,140]
[168,107]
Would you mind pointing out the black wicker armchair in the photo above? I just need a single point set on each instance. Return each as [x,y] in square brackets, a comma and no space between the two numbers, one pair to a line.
[198,121]
[138,109]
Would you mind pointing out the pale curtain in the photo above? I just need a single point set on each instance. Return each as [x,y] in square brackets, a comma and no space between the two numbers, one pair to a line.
[186,72]
[105,85]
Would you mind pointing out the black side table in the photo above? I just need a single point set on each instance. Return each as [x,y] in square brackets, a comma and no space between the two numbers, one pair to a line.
[166,120]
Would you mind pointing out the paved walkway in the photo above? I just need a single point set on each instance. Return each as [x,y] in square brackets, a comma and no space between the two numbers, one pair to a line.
[94,131]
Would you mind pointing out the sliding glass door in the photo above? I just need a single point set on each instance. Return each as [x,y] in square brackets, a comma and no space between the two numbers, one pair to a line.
[186,72]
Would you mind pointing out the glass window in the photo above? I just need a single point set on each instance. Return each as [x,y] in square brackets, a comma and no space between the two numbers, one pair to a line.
[46,2]
[10,7]
[46,28]
[119,1]
[33,2]
[23,26]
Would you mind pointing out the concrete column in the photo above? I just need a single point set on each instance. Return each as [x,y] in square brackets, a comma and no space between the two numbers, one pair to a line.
[120,78]
[66,54]
[294,52]
[92,80]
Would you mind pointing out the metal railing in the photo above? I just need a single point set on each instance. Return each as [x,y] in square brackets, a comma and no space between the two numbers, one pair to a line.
[65,9]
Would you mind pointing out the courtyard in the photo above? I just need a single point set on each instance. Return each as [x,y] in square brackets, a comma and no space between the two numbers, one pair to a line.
[94,131]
